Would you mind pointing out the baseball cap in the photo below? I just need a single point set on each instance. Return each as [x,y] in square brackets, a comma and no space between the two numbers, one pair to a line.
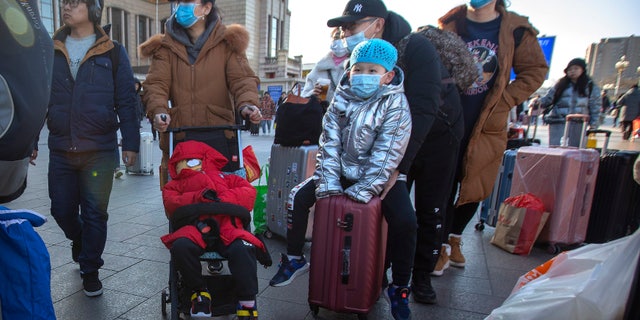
[358,9]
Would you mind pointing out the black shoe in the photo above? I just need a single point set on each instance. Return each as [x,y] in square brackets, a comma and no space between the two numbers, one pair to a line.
[421,288]
[76,247]
[92,285]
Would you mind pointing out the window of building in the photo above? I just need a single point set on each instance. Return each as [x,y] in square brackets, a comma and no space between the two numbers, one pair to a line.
[47,14]
[144,28]
[119,27]
[274,26]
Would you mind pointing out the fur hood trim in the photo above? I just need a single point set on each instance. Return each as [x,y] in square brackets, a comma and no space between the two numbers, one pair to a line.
[236,36]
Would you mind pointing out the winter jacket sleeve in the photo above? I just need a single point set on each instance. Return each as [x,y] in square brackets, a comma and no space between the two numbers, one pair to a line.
[243,82]
[390,145]
[422,87]
[328,166]
[157,84]
[174,197]
[530,67]
[127,103]
[595,105]
[239,192]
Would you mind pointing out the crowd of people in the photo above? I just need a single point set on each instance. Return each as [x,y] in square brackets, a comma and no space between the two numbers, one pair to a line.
[426,133]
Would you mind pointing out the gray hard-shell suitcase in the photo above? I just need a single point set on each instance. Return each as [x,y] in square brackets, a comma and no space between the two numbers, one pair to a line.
[288,166]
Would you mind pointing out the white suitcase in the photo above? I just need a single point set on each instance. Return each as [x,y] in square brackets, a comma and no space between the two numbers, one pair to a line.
[144,163]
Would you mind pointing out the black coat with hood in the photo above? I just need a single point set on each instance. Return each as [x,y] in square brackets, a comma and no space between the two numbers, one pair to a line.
[435,105]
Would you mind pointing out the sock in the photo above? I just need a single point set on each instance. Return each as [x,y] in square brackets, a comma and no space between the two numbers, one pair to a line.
[455,235]
[249,304]
[293,257]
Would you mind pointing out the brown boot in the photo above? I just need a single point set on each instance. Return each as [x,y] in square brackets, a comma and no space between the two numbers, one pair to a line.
[456,258]
[443,261]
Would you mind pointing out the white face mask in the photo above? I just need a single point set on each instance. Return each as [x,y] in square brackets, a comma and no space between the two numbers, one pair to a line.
[338,48]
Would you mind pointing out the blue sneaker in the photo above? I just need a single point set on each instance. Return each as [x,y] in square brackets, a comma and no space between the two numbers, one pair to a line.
[288,270]
[399,299]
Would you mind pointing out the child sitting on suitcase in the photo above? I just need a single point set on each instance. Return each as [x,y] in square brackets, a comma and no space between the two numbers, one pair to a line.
[194,168]
[365,134]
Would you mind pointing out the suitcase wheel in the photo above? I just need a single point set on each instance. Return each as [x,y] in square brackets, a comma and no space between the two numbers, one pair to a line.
[165,300]
[314,309]
[268,234]
[554,248]
[480,225]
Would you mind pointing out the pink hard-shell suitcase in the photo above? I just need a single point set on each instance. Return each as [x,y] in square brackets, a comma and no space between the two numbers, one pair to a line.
[564,178]
[347,255]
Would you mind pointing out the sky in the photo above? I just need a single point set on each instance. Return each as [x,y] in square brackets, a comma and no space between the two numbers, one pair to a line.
[575,23]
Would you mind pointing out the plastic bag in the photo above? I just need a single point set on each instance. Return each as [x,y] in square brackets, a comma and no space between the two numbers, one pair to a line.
[260,206]
[251,165]
[591,282]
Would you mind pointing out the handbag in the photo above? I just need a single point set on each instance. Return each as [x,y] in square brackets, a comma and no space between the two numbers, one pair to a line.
[299,120]
[260,206]
[520,221]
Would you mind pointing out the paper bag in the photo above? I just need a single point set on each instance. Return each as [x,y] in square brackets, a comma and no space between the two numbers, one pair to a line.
[520,221]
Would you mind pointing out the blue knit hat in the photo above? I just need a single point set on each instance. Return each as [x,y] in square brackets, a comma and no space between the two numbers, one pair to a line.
[375,51]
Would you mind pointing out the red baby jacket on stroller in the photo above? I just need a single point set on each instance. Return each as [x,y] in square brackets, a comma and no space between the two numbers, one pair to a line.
[189,186]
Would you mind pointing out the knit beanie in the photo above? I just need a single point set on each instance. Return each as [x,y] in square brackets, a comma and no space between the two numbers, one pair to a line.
[376,51]
[576,62]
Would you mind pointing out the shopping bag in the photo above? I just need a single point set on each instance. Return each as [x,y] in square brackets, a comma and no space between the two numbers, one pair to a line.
[260,206]
[520,221]
[251,165]
[299,120]
[590,282]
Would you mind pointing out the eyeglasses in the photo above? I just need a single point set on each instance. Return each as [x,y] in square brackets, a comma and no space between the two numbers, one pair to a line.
[351,26]
[72,3]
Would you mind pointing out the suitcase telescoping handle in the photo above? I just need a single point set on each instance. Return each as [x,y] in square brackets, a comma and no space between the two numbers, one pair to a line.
[577,116]
[607,133]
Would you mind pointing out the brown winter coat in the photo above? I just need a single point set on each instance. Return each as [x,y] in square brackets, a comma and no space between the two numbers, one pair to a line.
[489,137]
[207,93]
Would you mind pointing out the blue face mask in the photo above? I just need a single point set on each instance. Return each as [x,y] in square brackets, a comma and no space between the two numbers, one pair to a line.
[477,4]
[185,15]
[338,48]
[354,40]
[365,85]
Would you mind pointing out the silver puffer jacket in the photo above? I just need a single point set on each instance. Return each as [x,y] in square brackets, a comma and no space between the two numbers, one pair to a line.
[362,140]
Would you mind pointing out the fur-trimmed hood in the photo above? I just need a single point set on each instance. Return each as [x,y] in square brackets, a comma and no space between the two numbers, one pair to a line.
[235,35]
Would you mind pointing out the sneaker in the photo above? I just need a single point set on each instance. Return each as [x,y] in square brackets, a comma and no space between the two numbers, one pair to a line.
[215,267]
[399,299]
[456,258]
[91,284]
[246,313]
[443,261]
[76,248]
[118,174]
[200,304]
[422,290]
[288,270]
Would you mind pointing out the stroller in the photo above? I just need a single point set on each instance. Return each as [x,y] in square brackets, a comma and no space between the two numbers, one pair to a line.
[219,281]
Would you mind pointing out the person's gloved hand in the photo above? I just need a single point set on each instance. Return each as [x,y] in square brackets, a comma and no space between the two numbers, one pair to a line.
[211,195]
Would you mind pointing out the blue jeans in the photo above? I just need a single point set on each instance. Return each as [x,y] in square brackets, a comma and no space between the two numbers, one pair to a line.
[265,125]
[79,189]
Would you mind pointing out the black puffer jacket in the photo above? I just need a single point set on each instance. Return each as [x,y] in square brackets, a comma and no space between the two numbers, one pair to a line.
[434,106]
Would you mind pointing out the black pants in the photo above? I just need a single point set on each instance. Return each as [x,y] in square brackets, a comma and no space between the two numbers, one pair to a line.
[432,173]
[397,210]
[241,261]
[627,127]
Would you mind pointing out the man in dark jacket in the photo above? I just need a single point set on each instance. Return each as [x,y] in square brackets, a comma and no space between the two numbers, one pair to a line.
[89,102]
[430,159]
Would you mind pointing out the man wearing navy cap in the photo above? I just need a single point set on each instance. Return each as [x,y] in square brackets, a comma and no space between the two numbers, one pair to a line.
[436,111]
